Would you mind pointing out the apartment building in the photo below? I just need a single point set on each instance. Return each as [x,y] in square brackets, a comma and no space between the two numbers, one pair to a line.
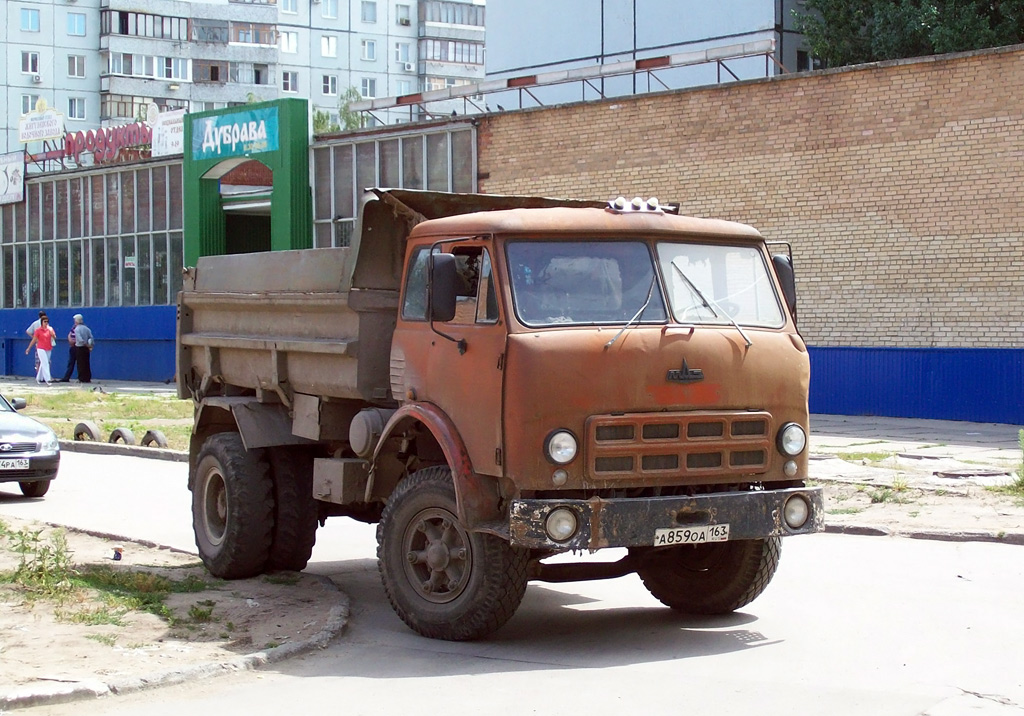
[103,62]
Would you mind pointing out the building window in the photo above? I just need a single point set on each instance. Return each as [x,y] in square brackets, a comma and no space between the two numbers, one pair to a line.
[247,73]
[403,87]
[368,88]
[402,52]
[402,15]
[175,68]
[329,9]
[76,66]
[253,34]
[290,6]
[369,50]
[76,24]
[329,46]
[76,108]
[28,102]
[29,20]
[468,53]
[452,13]
[369,11]
[805,61]
[330,85]
[30,62]
[290,81]
[290,42]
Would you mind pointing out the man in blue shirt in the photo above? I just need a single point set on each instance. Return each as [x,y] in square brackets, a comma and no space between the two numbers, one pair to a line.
[83,347]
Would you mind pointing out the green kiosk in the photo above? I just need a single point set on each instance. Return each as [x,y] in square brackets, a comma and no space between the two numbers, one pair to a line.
[232,205]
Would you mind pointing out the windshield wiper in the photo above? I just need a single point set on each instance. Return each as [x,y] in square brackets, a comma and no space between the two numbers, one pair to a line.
[707,304]
[636,316]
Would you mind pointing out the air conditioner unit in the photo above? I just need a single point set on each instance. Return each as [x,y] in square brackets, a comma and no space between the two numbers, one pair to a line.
[404,21]
[37,78]
[410,67]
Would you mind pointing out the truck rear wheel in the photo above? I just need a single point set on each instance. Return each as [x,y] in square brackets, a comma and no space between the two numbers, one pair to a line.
[442,580]
[232,507]
[714,578]
[295,511]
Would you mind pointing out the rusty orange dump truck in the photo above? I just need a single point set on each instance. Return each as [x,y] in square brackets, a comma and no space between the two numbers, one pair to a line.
[494,381]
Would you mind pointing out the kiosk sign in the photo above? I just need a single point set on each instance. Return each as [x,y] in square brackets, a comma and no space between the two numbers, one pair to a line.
[42,124]
[235,134]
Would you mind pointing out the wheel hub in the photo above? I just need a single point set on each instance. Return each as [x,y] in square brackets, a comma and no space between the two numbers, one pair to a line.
[437,551]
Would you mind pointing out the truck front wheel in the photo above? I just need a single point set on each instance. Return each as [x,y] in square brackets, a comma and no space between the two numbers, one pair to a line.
[232,507]
[442,580]
[715,578]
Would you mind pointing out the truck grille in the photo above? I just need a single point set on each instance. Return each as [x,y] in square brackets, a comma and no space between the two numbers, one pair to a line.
[643,445]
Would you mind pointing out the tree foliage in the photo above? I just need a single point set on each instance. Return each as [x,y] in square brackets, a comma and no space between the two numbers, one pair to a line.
[322,123]
[350,119]
[847,32]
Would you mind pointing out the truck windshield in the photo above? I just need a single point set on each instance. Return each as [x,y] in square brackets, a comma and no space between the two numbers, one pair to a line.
[584,283]
[714,283]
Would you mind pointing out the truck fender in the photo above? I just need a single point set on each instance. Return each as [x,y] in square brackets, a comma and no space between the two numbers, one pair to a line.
[477,498]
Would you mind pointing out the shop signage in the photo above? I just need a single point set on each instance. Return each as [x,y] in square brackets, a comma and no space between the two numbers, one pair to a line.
[168,131]
[106,143]
[12,177]
[239,133]
[42,124]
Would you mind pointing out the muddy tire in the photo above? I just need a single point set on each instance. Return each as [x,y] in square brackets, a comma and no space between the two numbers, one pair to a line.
[295,510]
[87,430]
[232,507]
[445,582]
[122,435]
[715,578]
[34,489]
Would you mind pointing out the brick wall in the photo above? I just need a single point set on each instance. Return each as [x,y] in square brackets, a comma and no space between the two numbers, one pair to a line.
[899,185]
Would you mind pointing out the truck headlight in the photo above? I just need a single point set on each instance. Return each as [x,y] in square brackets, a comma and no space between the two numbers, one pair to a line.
[792,439]
[561,524]
[561,447]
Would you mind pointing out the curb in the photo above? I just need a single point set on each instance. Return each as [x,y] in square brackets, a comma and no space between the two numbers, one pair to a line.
[63,692]
[98,448]
[1014,538]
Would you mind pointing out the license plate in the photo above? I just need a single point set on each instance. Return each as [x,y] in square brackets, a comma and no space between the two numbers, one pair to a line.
[691,535]
[15,464]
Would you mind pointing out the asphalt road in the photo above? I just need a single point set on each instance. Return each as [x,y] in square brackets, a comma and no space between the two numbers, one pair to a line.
[850,625]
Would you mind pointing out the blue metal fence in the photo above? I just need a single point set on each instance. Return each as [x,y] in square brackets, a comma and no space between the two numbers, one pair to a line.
[975,384]
[132,342]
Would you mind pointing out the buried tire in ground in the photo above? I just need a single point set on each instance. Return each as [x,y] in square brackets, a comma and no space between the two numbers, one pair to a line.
[295,510]
[443,581]
[232,507]
[714,578]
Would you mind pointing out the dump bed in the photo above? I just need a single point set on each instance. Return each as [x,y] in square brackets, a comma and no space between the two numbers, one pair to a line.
[313,321]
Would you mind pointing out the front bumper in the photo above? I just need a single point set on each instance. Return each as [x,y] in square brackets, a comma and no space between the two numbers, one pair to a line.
[39,468]
[631,522]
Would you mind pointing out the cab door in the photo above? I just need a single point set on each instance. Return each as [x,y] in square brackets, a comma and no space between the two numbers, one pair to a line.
[457,365]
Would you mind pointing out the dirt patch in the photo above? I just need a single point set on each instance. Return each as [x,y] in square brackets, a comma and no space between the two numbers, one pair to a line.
[87,636]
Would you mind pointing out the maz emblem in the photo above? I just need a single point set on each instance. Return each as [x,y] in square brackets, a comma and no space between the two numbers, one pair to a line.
[685,374]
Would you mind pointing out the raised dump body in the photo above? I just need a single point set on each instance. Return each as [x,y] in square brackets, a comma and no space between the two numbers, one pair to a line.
[496,380]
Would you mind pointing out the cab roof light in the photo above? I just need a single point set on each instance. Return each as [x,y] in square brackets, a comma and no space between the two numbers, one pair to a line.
[622,205]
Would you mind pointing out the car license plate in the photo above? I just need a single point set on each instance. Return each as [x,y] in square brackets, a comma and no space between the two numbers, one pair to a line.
[15,464]
[691,535]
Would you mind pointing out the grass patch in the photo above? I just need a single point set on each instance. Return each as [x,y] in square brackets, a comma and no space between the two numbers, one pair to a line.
[1015,488]
[865,457]
[845,510]
[108,639]
[62,410]
[288,579]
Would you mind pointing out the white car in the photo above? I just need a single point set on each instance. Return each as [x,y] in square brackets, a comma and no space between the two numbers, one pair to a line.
[29,451]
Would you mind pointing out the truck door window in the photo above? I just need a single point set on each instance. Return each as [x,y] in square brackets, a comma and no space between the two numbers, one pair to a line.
[476,301]
[414,304]
[477,298]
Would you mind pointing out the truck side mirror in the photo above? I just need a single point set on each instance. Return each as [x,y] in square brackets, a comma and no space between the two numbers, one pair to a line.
[443,283]
[784,269]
